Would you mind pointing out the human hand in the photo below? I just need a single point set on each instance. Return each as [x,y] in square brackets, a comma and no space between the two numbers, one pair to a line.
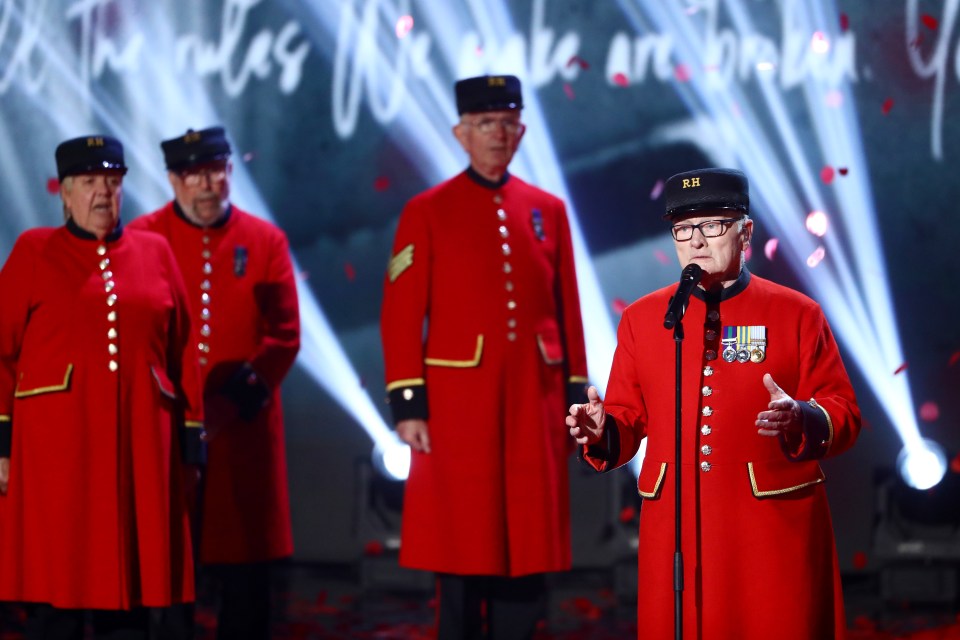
[783,415]
[586,421]
[4,475]
[415,433]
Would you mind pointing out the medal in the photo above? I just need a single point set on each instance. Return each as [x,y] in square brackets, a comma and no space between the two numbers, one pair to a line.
[745,343]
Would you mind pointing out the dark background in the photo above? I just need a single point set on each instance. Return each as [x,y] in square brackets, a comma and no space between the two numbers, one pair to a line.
[147,71]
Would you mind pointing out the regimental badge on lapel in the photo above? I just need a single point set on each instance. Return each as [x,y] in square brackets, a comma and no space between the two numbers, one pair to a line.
[239,261]
[744,343]
[536,219]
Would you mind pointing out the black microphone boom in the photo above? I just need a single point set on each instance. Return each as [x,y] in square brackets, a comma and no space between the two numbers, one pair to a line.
[689,278]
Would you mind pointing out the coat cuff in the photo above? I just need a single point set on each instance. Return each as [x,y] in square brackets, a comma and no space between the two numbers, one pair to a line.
[248,391]
[408,400]
[603,454]
[817,434]
[577,391]
[6,436]
[193,449]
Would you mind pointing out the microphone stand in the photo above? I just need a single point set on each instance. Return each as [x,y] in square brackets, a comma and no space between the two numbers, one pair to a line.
[678,552]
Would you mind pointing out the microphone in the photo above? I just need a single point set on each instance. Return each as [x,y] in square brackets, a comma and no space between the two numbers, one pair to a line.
[689,278]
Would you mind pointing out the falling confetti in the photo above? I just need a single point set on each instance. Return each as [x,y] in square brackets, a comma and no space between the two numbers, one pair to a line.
[682,73]
[887,106]
[404,26]
[816,257]
[53,186]
[657,190]
[954,358]
[303,276]
[621,80]
[844,22]
[619,305]
[929,411]
[900,369]
[350,271]
[661,257]
[818,223]
[859,560]
[929,22]
[843,171]
[955,464]
[770,248]
[826,174]
[819,43]
[567,89]
[578,61]
[627,514]
[373,548]
[834,98]
[381,183]
[249,156]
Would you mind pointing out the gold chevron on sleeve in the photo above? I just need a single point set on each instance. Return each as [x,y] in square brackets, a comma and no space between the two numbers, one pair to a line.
[400,262]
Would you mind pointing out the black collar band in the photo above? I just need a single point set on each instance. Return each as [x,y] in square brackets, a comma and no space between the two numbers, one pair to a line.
[724,293]
[483,182]
[83,234]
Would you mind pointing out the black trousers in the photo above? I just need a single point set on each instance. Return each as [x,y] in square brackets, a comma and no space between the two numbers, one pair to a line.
[243,598]
[491,607]
[45,622]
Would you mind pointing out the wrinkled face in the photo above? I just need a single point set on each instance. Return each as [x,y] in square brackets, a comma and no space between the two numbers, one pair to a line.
[93,200]
[203,191]
[721,256]
[490,138]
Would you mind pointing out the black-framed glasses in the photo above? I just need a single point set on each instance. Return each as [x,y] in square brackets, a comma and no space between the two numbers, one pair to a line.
[709,229]
[489,125]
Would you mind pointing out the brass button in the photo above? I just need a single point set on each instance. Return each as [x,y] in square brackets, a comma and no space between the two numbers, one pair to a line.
[706,430]
[102,250]
[708,371]
[705,466]
[707,391]
[113,366]
[706,449]
[707,411]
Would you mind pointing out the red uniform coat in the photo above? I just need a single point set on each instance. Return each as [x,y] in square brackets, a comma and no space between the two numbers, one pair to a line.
[96,374]
[243,298]
[758,550]
[490,268]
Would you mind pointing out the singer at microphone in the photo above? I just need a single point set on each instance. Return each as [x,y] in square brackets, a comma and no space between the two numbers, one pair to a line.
[689,278]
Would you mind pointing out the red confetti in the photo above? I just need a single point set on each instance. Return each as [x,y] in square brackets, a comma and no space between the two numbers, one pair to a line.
[661,257]
[303,276]
[619,305]
[248,156]
[954,358]
[826,174]
[579,61]
[621,80]
[843,171]
[682,73]
[844,22]
[900,369]
[382,183]
[955,464]
[929,411]
[567,89]
[864,622]
[53,186]
[887,106]
[860,560]
[373,548]
[770,248]
[350,271]
[929,22]
[916,42]
[627,514]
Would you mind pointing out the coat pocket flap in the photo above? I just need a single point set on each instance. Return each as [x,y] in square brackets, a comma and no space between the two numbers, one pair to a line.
[651,479]
[464,359]
[163,382]
[776,478]
[51,379]
[550,347]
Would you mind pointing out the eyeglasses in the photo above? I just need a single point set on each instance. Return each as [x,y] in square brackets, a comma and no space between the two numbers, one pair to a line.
[709,229]
[489,125]
[195,177]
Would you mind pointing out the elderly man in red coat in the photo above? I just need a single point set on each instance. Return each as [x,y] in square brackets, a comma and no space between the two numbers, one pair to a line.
[99,409]
[486,260]
[243,299]
[765,396]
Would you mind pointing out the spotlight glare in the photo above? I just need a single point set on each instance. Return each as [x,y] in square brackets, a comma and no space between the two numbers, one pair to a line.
[816,257]
[392,459]
[922,465]
[819,43]
[404,26]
